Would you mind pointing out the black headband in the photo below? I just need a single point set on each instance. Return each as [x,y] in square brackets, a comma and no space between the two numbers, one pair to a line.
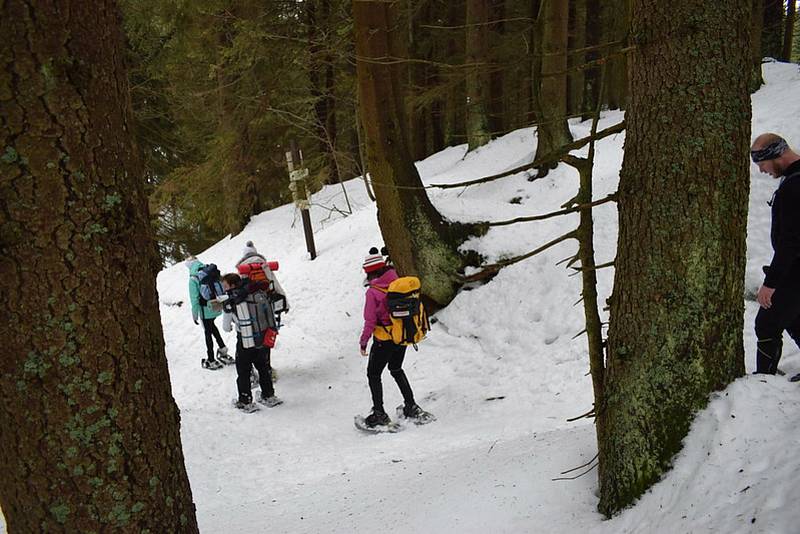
[771,151]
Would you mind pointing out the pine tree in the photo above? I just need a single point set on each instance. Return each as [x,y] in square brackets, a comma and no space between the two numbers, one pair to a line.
[90,434]
[676,319]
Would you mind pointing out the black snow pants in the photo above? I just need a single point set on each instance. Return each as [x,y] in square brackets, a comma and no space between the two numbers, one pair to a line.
[381,354]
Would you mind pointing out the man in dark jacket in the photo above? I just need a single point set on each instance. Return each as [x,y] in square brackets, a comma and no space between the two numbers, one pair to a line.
[779,295]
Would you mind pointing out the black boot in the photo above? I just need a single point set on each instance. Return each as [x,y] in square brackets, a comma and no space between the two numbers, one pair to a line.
[377,417]
[405,388]
[768,354]
[376,390]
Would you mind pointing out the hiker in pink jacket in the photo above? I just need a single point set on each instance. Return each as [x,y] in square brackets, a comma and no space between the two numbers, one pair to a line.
[384,351]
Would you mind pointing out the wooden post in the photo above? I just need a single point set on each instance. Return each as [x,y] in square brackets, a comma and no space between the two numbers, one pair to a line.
[300,195]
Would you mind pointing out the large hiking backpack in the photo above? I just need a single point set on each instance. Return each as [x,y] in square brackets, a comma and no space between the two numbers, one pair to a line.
[210,285]
[409,318]
[253,307]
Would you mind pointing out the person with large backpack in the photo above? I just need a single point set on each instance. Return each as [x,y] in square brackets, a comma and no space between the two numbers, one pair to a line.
[249,307]
[389,340]
[250,256]
[201,280]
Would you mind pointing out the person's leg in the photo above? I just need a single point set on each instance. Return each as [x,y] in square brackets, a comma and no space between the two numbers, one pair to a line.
[261,363]
[770,324]
[216,334]
[243,365]
[396,356]
[378,358]
[208,324]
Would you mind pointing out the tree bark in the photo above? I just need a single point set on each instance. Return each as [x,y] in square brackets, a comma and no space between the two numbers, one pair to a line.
[90,436]
[676,309]
[420,241]
[788,31]
[478,81]
[553,130]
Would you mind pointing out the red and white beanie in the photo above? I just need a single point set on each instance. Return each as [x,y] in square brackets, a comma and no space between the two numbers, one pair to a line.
[373,262]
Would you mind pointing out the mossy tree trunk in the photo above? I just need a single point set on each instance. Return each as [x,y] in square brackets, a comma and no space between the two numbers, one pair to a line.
[90,435]
[552,131]
[419,240]
[676,310]
[478,79]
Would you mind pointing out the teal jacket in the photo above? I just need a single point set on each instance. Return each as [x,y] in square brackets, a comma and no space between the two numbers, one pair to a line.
[194,295]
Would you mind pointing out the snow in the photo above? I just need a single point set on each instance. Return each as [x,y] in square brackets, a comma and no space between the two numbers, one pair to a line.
[485,465]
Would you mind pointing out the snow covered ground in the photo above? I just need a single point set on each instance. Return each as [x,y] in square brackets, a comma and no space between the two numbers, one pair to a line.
[501,370]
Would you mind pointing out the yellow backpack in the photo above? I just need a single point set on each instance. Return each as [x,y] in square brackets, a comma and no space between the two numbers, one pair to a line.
[410,322]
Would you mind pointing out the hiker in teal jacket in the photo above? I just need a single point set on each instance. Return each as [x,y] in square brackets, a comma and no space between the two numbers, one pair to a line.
[206,315]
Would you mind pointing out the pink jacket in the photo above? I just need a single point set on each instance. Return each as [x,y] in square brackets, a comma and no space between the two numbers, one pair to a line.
[375,310]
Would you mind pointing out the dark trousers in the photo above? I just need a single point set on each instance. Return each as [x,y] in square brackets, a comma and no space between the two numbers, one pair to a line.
[210,329]
[246,359]
[784,314]
[381,354]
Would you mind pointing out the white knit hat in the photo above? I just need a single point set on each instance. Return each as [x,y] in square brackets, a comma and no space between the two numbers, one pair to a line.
[190,260]
[249,249]
[373,262]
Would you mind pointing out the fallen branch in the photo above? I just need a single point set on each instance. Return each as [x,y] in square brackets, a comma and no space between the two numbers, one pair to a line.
[492,269]
[579,207]
[590,413]
[576,476]
[581,466]
[580,143]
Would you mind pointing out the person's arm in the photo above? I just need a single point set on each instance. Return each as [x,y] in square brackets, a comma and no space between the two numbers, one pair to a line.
[370,320]
[787,248]
[227,321]
[194,298]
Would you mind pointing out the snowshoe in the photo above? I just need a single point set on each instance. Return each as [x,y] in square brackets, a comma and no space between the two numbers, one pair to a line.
[246,407]
[415,414]
[270,402]
[360,423]
[795,378]
[224,357]
[211,365]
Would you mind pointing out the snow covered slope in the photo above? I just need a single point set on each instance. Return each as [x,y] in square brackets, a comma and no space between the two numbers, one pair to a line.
[485,465]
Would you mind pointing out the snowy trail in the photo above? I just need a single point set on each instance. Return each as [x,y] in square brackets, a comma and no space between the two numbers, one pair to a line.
[485,465]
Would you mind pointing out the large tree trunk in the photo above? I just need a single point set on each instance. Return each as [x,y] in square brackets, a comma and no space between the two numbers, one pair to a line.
[553,131]
[419,240]
[478,82]
[676,310]
[90,432]
[772,36]
[788,31]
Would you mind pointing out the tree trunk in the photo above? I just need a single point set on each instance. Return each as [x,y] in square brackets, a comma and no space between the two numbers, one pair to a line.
[420,241]
[616,21]
[321,76]
[756,26]
[90,435]
[593,37]
[676,310]
[772,33]
[577,81]
[478,82]
[553,131]
[788,32]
